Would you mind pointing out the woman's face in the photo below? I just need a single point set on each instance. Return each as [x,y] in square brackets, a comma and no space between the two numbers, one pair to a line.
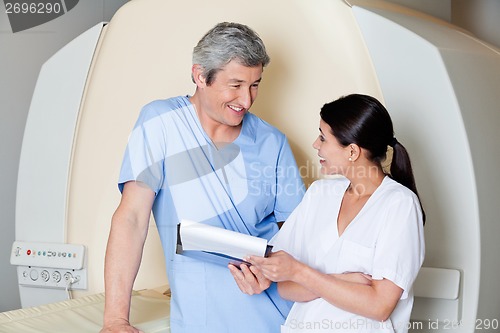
[334,158]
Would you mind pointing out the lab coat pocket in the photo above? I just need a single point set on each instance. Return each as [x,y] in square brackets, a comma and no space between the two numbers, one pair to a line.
[355,257]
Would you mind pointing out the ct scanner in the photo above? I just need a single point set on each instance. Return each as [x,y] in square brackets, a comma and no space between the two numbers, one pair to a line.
[439,83]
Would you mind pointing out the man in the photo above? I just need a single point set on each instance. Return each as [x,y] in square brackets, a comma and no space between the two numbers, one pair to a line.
[204,158]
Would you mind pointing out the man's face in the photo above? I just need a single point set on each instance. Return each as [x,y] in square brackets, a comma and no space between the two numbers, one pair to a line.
[231,93]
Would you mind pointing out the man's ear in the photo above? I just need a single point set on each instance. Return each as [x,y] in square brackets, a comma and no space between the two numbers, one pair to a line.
[197,74]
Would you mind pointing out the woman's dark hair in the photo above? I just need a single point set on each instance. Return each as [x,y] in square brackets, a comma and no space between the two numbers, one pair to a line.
[364,121]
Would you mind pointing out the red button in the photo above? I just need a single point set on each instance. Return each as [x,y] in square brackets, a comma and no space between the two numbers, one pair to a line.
[28,252]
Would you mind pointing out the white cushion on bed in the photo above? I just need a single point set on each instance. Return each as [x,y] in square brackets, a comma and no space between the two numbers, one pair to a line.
[149,312]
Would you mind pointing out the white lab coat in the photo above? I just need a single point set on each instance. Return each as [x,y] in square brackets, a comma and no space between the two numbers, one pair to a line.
[385,240]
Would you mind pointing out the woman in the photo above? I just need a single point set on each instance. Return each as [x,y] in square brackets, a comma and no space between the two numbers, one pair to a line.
[364,221]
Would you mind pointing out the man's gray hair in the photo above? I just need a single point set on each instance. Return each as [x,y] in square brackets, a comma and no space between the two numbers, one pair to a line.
[226,42]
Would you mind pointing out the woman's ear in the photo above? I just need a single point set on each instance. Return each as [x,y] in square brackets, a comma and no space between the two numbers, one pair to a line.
[354,152]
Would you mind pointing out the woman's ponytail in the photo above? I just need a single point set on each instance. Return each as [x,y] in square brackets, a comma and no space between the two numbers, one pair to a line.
[401,170]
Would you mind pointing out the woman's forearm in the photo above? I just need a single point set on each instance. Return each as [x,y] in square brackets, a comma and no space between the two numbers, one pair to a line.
[375,300]
[295,292]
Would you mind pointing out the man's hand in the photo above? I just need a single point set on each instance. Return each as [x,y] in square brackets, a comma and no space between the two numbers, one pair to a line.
[120,326]
[249,279]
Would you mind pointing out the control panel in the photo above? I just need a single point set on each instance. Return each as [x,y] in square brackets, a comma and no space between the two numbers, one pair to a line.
[50,265]
[46,277]
[55,255]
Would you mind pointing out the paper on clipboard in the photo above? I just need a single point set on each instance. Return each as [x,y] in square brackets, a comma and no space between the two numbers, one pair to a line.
[220,244]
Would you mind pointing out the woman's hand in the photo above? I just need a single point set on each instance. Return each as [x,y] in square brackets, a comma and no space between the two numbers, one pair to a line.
[249,279]
[279,266]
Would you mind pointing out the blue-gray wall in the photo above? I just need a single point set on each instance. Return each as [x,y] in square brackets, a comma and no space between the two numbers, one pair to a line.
[21,56]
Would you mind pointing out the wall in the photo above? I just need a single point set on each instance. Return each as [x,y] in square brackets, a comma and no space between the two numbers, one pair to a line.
[437,8]
[479,17]
[22,54]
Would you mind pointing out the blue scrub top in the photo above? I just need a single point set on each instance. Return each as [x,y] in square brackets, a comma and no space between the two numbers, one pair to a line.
[247,186]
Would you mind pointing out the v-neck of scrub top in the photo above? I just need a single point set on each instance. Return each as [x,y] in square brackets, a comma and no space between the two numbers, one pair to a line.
[194,114]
